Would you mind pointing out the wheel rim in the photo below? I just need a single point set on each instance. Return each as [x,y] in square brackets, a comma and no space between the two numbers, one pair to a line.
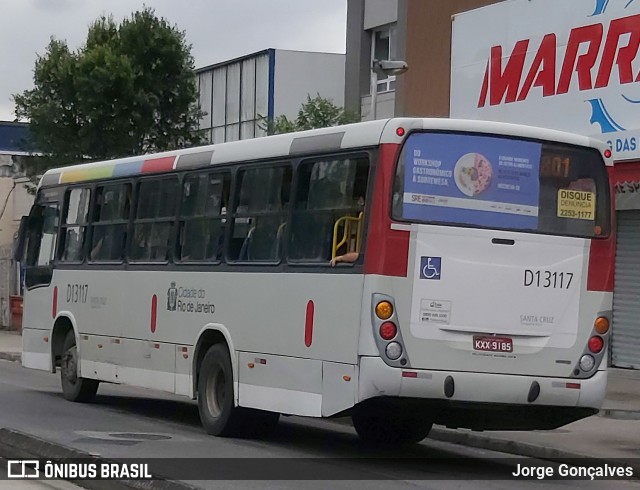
[69,365]
[215,391]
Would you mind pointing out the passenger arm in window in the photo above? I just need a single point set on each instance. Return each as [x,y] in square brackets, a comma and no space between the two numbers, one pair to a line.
[349,257]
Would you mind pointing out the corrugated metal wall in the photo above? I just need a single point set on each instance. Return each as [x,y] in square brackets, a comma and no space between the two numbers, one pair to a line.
[625,347]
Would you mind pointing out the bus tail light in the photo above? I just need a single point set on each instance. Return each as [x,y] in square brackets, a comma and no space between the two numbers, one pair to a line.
[384,310]
[601,325]
[594,350]
[596,344]
[587,362]
[393,350]
[388,330]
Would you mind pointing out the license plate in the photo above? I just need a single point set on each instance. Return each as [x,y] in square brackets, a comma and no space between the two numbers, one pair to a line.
[493,344]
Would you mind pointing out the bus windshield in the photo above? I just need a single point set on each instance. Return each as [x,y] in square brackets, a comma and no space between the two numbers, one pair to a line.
[498,182]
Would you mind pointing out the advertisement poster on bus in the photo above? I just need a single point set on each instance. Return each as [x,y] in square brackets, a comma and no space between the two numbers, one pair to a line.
[474,180]
[572,65]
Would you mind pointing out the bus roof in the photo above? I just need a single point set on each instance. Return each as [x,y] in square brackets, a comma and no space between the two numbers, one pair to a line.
[358,135]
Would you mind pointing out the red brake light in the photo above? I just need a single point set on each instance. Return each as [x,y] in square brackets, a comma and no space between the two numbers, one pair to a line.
[388,330]
[400,131]
[607,153]
[596,344]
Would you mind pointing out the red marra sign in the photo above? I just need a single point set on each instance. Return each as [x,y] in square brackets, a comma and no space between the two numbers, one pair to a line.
[509,83]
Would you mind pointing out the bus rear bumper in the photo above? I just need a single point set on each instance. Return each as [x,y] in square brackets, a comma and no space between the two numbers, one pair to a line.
[376,379]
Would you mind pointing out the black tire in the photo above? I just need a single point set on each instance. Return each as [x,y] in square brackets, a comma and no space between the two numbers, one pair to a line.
[218,414]
[74,389]
[386,428]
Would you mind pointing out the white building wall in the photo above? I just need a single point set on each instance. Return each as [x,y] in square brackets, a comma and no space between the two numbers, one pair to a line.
[15,202]
[298,74]
[22,201]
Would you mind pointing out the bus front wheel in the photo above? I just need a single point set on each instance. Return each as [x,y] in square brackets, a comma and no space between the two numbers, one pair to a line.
[74,388]
[386,427]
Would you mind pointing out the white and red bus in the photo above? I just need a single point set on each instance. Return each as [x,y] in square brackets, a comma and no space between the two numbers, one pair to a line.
[404,271]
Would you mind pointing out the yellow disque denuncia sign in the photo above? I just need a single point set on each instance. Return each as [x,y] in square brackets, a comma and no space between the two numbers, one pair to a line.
[576,204]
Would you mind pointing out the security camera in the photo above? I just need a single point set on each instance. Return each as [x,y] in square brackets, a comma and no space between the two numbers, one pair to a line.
[390,67]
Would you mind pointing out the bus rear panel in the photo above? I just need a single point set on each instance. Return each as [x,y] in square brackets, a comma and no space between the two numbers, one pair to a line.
[500,322]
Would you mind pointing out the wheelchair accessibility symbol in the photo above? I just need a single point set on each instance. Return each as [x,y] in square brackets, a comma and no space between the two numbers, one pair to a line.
[430,267]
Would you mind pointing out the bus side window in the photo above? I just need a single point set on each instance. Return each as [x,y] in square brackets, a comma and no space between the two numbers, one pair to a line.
[326,190]
[202,216]
[259,219]
[109,226]
[74,227]
[153,222]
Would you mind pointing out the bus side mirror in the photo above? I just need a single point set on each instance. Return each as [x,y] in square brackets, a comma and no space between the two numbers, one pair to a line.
[19,242]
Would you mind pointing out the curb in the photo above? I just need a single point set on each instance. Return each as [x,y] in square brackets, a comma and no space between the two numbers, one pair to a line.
[11,356]
[524,449]
[19,445]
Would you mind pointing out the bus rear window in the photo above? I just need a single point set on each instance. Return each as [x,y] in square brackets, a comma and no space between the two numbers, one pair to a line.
[503,183]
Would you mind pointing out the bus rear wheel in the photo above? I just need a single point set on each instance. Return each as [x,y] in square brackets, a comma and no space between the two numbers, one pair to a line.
[388,428]
[74,388]
[218,414]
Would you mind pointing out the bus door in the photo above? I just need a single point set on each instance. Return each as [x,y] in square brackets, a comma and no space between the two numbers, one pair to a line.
[39,239]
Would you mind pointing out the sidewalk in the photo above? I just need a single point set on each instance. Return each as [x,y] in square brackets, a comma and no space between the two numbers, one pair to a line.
[10,345]
[612,434]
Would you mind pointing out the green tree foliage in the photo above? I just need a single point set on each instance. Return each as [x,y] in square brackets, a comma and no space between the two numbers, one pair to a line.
[131,89]
[318,112]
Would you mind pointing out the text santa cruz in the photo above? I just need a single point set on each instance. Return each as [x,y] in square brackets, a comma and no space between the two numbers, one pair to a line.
[583,49]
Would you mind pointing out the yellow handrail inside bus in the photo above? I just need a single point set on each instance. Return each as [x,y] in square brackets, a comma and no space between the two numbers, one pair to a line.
[347,223]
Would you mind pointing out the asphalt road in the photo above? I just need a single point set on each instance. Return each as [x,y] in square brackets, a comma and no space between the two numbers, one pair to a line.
[133,423]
